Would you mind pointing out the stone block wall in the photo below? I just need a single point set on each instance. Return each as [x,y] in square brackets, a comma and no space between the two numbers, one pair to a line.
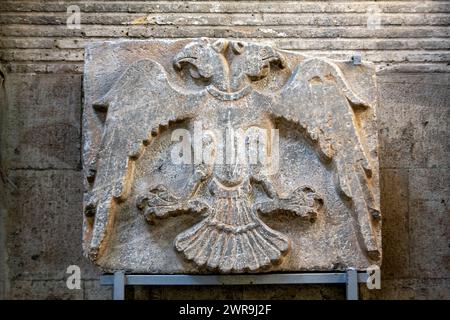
[41,107]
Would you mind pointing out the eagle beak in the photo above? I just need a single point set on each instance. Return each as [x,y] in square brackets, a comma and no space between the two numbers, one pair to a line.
[277,58]
[181,59]
[280,60]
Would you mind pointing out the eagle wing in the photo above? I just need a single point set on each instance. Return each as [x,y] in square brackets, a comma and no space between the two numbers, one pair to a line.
[137,105]
[319,99]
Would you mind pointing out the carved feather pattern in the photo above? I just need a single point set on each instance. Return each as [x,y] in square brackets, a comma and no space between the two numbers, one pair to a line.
[332,125]
[232,237]
[147,80]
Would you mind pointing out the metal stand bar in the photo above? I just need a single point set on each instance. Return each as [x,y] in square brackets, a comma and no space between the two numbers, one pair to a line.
[119,285]
[350,278]
[352,284]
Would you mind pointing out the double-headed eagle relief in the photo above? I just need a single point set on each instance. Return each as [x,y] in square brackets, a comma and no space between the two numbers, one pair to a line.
[225,156]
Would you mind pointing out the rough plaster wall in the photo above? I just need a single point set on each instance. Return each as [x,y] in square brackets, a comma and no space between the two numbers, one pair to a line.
[41,125]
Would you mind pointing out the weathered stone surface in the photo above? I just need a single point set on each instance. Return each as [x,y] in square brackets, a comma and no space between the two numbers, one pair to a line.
[429,184]
[94,291]
[395,231]
[43,129]
[3,208]
[42,248]
[430,250]
[43,290]
[281,172]
[429,223]
[411,35]
[416,49]
[3,289]
[414,120]
[409,289]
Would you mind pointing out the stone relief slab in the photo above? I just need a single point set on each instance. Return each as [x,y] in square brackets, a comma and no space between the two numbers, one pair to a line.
[224,156]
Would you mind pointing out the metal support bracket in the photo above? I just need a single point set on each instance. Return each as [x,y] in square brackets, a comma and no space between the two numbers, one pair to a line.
[119,280]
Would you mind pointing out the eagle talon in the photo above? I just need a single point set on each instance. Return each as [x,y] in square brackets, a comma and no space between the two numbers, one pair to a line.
[304,202]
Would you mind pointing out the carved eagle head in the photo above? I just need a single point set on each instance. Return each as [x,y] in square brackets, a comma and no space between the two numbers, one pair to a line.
[252,61]
[228,71]
[206,61]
